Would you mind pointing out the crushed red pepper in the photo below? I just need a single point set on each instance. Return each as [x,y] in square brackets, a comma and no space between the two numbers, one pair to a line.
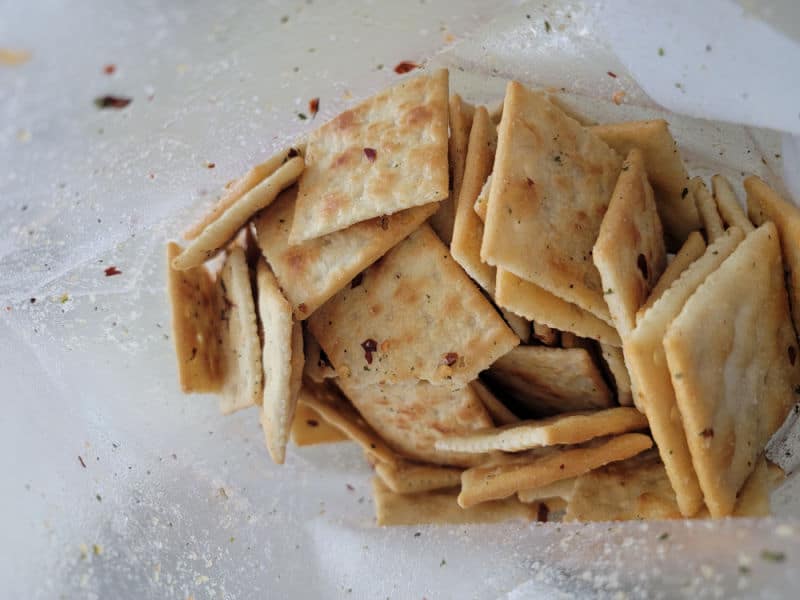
[109,69]
[707,433]
[313,107]
[112,270]
[369,346]
[449,358]
[108,101]
[612,74]
[405,66]
[371,154]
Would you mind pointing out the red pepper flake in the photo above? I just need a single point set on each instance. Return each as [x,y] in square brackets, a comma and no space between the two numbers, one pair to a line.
[405,66]
[707,433]
[369,346]
[116,102]
[302,307]
[80,460]
[313,107]
[612,74]
[112,270]
[312,422]
[210,165]
[449,358]
[542,513]
[109,69]
[350,487]
[371,154]
[792,354]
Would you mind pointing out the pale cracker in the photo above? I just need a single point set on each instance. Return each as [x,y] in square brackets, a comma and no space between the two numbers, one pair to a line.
[309,428]
[460,124]
[441,508]
[546,335]
[241,186]
[692,249]
[312,272]
[482,201]
[282,360]
[219,232]
[195,324]
[413,478]
[629,252]
[519,325]
[664,168]
[728,205]
[387,154]
[566,428]
[563,488]
[707,208]
[328,402]
[615,361]
[732,355]
[537,468]
[412,417]
[499,412]
[468,229]
[551,184]
[786,217]
[317,366]
[650,380]
[241,346]
[540,306]
[389,327]
[551,380]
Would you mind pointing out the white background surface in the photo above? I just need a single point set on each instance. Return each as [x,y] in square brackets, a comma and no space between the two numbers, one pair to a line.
[181,501]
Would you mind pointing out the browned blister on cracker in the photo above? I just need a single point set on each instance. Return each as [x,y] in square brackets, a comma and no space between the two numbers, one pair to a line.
[385,155]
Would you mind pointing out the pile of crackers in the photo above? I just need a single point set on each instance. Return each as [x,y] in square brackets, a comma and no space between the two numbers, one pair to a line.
[514,312]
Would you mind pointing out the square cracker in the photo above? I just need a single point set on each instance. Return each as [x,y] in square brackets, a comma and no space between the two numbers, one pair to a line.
[540,306]
[441,508]
[461,115]
[412,478]
[629,252]
[786,217]
[412,417]
[537,468]
[310,429]
[241,345]
[728,205]
[312,272]
[650,379]
[551,380]
[618,370]
[664,169]
[707,209]
[406,128]
[468,228]
[566,428]
[282,359]
[692,249]
[388,326]
[195,323]
[551,185]
[732,355]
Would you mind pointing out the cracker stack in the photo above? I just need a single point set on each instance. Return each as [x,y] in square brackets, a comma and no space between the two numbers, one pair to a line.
[493,316]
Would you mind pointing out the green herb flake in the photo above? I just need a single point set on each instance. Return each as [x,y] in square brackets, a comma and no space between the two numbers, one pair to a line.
[301,116]
[663,536]
[661,52]
[608,291]
[744,570]
[547,27]
[443,563]
[773,556]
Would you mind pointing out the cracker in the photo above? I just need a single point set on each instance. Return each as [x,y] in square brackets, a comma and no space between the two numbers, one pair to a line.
[537,468]
[519,325]
[468,228]
[563,488]
[786,216]
[317,366]
[482,201]
[387,154]
[692,249]
[195,321]
[441,508]
[629,252]
[460,124]
[615,361]
[540,306]
[310,429]
[241,345]
[389,327]
[753,498]
[329,403]
[242,186]
[665,171]
[412,417]
[282,360]
[500,414]
[567,428]
[219,232]
[412,478]
[707,208]
[634,489]
[650,379]
[732,355]
[312,272]
[546,335]
[551,380]
[728,206]
[551,184]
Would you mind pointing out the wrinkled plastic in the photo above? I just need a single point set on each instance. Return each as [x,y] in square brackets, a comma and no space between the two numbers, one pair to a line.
[117,485]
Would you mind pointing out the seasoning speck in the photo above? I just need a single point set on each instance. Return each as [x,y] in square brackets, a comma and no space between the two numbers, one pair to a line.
[663,536]
[313,107]
[210,165]
[443,563]
[111,271]
[405,66]
[350,487]
[369,346]
[661,52]
[109,69]
[371,154]
[547,27]
[80,460]
[115,102]
[611,74]
[301,116]
[773,556]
